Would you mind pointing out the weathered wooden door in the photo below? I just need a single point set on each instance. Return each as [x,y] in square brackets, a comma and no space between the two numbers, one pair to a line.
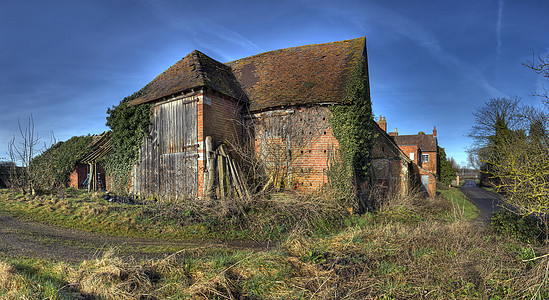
[169,157]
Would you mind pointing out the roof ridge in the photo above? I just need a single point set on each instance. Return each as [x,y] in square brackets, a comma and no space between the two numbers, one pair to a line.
[363,38]
[196,65]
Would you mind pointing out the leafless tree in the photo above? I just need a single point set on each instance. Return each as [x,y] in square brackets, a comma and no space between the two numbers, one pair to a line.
[21,152]
[486,116]
[540,65]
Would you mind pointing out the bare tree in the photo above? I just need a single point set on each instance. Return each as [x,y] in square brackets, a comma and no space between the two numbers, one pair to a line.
[486,117]
[21,152]
[540,65]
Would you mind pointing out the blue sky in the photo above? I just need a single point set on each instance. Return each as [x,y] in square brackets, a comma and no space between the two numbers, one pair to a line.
[431,62]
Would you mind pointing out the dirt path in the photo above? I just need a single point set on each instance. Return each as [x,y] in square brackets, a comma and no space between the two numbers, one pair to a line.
[485,201]
[32,239]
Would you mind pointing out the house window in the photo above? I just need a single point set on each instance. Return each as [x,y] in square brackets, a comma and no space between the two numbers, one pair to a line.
[412,155]
[425,157]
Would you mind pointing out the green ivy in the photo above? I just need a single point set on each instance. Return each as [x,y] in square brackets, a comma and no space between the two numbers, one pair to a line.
[352,127]
[52,168]
[129,125]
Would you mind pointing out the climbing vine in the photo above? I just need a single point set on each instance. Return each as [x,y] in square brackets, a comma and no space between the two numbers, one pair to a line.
[128,124]
[51,169]
[352,127]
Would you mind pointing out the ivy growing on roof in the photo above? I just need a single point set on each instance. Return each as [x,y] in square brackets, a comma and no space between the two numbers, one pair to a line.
[352,127]
[128,124]
[53,166]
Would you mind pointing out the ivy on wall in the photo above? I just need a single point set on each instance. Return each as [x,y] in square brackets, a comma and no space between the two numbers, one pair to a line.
[128,124]
[352,127]
[53,166]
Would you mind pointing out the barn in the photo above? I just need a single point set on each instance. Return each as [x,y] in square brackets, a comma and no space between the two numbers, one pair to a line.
[278,102]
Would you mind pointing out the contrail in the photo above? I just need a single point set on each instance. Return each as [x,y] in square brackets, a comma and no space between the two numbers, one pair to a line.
[498,27]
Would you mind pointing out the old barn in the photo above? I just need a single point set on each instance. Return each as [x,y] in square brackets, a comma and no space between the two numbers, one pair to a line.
[275,101]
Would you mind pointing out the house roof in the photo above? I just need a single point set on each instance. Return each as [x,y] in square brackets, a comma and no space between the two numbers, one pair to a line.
[194,70]
[293,76]
[299,75]
[425,142]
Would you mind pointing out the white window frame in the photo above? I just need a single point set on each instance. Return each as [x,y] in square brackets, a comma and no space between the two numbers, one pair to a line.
[424,156]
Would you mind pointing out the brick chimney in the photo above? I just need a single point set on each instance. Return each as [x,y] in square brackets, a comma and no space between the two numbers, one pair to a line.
[435,131]
[382,123]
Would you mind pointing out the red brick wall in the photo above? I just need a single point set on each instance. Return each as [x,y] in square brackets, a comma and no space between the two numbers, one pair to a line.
[431,165]
[411,149]
[78,175]
[219,117]
[311,139]
[432,181]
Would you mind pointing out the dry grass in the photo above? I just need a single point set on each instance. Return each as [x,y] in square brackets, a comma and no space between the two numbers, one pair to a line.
[405,250]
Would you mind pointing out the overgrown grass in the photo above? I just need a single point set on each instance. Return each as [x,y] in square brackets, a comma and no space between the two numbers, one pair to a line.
[268,218]
[460,203]
[403,251]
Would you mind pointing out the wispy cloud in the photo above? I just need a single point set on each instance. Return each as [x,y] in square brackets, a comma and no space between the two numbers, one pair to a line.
[408,28]
[499,22]
[203,30]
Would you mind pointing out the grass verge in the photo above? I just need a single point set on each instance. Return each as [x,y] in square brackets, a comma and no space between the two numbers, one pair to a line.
[404,251]
[460,203]
[269,218]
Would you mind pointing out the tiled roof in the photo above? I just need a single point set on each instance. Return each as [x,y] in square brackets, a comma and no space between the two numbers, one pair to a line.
[423,141]
[300,75]
[293,76]
[194,70]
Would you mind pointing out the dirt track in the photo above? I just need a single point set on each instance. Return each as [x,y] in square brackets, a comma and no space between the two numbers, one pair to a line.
[32,239]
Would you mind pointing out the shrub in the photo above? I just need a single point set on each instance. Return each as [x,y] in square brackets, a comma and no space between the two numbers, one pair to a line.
[526,229]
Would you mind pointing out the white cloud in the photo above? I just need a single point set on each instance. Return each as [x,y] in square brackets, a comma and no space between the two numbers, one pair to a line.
[499,21]
[203,30]
[394,23]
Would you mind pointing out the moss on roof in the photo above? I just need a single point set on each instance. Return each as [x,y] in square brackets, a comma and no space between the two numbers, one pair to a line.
[193,71]
[293,76]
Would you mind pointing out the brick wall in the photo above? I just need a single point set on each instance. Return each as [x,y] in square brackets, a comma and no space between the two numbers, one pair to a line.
[300,139]
[219,117]
[411,149]
[78,175]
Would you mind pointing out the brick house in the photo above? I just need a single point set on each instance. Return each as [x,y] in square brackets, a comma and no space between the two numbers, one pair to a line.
[277,102]
[421,148]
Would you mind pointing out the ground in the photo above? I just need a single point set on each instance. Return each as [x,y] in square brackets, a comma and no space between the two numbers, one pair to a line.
[485,201]
[32,239]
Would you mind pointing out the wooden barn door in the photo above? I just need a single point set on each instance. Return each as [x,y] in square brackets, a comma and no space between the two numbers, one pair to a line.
[168,162]
[176,128]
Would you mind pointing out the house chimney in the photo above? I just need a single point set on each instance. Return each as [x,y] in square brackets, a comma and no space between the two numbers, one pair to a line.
[435,131]
[382,123]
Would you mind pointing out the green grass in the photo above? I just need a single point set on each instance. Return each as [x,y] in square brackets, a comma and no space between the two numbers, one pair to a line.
[26,278]
[260,219]
[88,212]
[461,203]
[403,251]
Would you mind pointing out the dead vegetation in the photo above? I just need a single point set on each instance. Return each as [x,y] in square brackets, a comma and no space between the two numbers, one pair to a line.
[409,249]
